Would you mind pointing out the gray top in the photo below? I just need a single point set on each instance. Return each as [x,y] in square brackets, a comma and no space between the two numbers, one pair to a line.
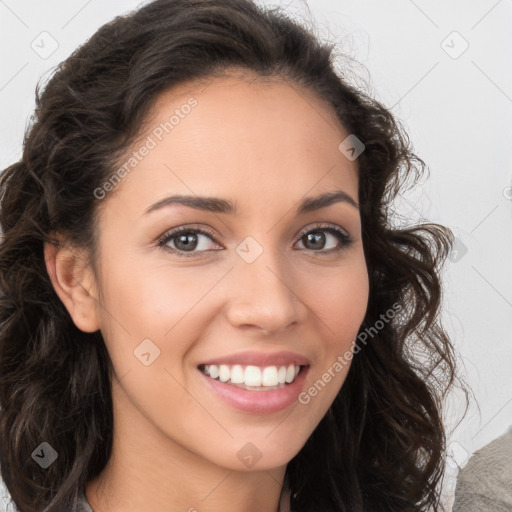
[485,483]
[82,504]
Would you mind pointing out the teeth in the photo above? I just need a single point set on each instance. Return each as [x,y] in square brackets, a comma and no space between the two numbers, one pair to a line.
[224,373]
[290,373]
[213,371]
[269,376]
[253,375]
[237,374]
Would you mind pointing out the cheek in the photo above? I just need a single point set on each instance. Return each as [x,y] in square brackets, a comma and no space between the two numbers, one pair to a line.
[338,299]
[149,324]
[149,300]
[339,309]
[154,316]
[338,302]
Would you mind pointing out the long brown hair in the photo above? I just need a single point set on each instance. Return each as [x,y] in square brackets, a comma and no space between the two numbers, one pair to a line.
[381,444]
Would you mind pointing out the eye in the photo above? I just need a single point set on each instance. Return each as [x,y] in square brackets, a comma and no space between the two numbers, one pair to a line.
[186,240]
[315,239]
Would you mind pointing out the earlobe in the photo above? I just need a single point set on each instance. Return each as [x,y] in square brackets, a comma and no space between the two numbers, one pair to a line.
[74,284]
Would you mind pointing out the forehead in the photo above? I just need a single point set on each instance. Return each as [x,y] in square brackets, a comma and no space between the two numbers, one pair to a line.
[246,100]
[239,133]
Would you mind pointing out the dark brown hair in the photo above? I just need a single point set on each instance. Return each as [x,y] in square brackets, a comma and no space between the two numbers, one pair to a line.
[380,446]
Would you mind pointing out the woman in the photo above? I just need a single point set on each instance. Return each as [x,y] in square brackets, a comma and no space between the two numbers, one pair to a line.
[204,304]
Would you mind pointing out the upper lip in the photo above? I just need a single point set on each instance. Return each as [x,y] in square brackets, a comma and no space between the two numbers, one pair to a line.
[260,359]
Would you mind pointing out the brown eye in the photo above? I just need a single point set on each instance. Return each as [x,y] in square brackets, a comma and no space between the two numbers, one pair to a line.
[187,240]
[317,238]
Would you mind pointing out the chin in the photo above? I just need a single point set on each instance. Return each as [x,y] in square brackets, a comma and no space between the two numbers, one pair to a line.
[255,453]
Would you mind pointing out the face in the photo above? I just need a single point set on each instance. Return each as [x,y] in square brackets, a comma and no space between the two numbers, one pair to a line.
[253,279]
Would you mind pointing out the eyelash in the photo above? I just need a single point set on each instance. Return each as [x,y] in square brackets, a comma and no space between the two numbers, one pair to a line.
[341,235]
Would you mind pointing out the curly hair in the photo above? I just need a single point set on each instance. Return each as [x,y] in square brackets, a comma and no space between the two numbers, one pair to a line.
[381,444]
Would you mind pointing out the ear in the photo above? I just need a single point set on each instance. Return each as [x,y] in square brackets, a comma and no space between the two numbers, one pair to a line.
[74,283]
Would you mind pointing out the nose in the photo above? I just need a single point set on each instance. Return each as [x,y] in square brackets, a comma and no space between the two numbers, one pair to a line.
[261,294]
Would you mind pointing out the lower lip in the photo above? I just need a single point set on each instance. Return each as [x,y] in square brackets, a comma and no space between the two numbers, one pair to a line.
[260,402]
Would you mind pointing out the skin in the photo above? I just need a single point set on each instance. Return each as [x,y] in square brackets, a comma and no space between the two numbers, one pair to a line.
[264,146]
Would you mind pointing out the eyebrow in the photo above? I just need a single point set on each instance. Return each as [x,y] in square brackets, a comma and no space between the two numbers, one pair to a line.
[218,205]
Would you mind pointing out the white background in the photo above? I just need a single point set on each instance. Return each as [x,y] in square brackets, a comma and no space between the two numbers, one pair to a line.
[457,110]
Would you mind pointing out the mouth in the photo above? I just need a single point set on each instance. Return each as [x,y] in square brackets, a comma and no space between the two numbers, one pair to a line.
[251,377]
[255,382]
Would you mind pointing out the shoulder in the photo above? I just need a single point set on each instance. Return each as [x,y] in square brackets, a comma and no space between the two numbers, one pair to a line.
[82,503]
[6,503]
[485,482]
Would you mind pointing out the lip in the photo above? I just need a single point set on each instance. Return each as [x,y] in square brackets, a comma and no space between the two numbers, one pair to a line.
[261,359]
[257,402]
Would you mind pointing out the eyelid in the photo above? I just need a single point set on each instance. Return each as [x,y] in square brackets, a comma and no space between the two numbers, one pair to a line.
[319,226]
[171,233]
